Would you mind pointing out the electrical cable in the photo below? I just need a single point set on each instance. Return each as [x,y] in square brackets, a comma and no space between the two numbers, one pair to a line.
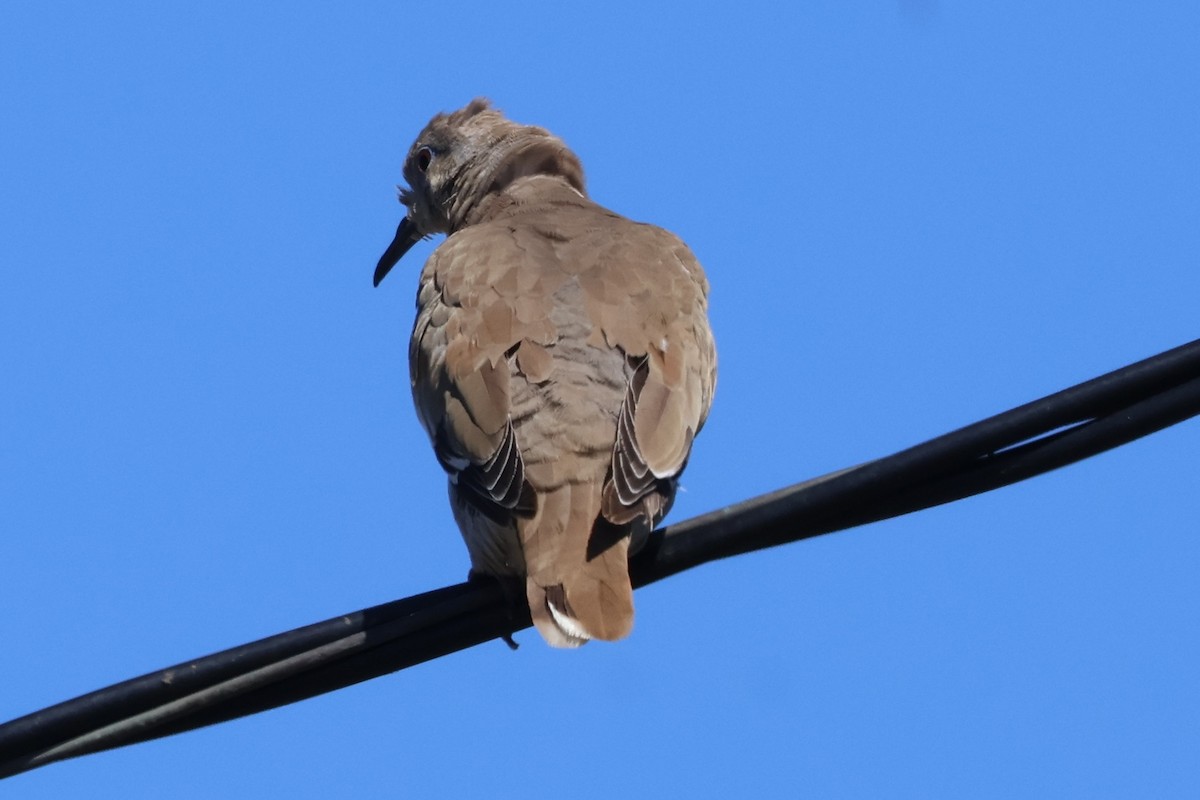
[1027,441]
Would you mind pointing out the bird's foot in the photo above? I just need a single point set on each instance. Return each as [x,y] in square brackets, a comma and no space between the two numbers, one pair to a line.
[514,601]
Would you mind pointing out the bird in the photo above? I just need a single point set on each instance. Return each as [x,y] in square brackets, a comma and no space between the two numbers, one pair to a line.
[561,363]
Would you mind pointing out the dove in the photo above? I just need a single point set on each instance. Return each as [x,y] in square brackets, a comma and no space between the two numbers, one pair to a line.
[561,362]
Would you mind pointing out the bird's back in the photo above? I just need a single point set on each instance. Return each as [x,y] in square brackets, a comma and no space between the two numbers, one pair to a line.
[538,330]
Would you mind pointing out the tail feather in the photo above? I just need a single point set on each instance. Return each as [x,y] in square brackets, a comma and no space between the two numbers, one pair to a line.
[575,595]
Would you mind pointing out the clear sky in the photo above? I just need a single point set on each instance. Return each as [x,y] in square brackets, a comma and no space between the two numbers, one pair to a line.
[913,215]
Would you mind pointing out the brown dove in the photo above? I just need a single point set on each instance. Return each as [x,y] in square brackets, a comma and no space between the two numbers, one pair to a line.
[561,363]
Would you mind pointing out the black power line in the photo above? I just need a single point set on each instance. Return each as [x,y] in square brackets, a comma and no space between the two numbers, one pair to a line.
[1052,432]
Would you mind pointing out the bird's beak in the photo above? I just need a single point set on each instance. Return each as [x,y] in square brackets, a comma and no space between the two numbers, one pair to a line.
[406,236]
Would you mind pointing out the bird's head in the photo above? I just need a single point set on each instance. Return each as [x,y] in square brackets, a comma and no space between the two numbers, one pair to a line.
[463,159]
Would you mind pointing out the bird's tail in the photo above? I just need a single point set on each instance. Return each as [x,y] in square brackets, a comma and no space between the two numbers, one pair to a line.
[578,568]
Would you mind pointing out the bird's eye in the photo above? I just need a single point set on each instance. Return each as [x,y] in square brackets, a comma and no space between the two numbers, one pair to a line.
[424,156]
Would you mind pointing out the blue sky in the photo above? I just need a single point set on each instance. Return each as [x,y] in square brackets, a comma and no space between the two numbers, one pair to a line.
[913,215]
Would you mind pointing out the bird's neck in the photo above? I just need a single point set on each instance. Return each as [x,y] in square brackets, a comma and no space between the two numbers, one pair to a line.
[529,193]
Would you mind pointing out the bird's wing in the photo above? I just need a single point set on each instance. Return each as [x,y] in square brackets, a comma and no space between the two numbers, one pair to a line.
[478,321]
[650,300]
